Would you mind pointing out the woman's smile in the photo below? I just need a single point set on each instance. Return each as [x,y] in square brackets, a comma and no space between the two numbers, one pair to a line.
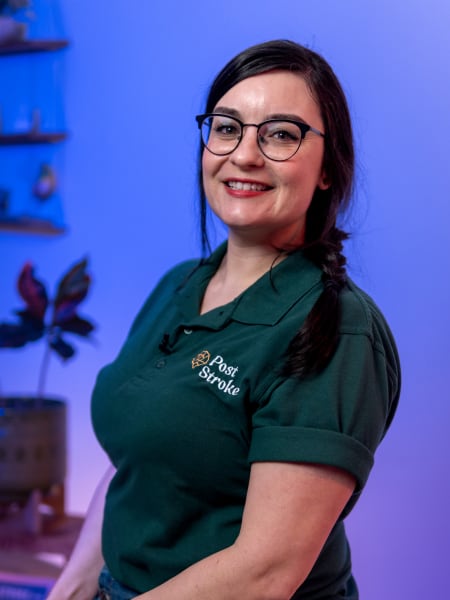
[252,194]
[241,185]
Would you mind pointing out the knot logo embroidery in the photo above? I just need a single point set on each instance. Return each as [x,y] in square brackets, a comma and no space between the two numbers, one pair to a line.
[222,378]
[201,359]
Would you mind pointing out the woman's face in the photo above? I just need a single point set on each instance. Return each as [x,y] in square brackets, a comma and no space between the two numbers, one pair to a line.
[260,200]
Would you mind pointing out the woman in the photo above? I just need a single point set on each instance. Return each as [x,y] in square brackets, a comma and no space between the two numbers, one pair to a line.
[244,410]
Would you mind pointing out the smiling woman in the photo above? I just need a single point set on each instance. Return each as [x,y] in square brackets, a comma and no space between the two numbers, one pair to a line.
[258,382]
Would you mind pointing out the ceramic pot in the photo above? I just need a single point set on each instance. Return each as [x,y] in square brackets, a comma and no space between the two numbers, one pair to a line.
[32,445]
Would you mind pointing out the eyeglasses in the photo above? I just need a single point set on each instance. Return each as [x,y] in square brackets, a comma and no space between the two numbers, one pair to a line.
[278,139]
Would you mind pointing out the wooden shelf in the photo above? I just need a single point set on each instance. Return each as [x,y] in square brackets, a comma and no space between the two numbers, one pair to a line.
[26,46]
[39,137]
[30,225]
[27,224]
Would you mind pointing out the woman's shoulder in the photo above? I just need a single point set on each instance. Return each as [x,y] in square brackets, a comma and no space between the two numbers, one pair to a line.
[176,275]
[174,278]
[165,288]
[361,315]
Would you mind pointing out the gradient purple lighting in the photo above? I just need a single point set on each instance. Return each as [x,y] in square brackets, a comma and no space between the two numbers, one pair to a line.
[127,194]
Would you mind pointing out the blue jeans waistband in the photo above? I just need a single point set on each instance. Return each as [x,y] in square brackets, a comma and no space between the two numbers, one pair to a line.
[110,589]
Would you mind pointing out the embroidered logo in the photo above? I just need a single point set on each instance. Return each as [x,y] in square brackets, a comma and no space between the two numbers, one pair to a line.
[202,358]
[223,374]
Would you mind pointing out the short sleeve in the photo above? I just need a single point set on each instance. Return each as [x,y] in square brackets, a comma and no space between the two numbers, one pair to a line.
[336,418]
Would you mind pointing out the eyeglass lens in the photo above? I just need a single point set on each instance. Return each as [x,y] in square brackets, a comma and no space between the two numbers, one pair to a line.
[278,140]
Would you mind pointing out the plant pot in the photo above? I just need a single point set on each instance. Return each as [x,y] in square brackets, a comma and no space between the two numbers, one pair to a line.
[32,445]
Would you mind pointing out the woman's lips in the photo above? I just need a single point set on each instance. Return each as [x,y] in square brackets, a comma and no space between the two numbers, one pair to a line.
[247,186]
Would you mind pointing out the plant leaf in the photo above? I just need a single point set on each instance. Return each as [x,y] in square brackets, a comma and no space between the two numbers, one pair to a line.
[78,325]
[16,335]
[71,291]
[61,347]
[65,311]
[32,291]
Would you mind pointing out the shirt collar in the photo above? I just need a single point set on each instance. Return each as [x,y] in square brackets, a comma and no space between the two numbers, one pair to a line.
[263,303]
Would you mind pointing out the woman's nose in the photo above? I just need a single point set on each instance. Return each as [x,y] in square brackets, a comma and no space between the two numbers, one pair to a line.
[248,151]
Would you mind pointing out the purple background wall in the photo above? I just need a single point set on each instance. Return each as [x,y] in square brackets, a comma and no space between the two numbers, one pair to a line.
[127,90]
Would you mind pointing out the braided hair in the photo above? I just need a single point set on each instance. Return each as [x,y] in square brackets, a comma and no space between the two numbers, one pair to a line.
[314,344]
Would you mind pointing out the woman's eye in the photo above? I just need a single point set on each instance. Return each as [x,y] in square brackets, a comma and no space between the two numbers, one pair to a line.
[283,135]
[226,129]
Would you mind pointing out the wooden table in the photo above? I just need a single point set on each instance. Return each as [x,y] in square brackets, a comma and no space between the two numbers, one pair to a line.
[27,558]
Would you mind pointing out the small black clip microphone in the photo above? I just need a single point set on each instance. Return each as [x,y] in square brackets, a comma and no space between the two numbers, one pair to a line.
[164,345]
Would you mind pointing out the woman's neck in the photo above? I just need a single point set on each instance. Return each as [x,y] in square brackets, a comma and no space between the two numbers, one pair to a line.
[241,267]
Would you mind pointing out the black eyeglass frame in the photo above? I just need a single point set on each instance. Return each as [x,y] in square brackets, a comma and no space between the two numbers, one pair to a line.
[304,128]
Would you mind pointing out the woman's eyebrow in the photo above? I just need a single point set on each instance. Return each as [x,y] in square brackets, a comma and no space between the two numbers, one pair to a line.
[286,116]
[227,111]
[282,116]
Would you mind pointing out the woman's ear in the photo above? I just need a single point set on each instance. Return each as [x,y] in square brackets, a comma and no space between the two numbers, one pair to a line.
[324,181]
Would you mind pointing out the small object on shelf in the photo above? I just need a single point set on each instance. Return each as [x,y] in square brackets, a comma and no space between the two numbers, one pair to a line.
[35,121]
[45,184]
[11,31]
[33,136]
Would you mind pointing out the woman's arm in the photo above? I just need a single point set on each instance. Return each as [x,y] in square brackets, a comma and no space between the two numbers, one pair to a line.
[78,581]
[289,513]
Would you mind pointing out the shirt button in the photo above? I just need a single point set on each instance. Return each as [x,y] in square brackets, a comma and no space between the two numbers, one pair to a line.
[161,363]
[188,331]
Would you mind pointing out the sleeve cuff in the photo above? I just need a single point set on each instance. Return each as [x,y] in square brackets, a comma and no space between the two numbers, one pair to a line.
[319,446]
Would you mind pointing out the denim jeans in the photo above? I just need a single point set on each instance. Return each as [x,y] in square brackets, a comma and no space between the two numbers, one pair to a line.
[110,589]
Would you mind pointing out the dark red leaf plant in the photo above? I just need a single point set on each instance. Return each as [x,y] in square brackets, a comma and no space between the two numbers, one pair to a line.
[49,318]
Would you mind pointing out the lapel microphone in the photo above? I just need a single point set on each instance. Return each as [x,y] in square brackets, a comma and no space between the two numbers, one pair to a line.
[164,345]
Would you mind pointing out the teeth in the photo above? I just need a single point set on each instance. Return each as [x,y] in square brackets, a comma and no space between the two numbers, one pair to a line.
[240,185]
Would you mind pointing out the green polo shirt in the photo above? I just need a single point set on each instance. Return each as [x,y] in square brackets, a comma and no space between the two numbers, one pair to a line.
[182,421]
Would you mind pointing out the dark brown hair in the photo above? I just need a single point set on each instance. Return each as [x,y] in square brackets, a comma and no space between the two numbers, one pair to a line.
[315,342]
